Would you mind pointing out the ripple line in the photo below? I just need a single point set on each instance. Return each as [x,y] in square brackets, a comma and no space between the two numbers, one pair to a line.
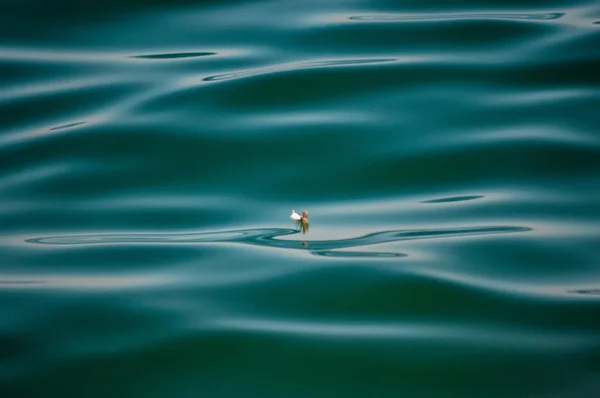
[454,199]
[266,237]
[470,334]
[546,16]
[175,55]
[297,66]
[594,292]
[67,126]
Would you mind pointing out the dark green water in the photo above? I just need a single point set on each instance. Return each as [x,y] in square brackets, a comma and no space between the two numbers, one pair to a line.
[448,154]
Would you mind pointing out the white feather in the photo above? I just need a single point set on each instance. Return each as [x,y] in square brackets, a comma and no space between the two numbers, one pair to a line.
[295,216]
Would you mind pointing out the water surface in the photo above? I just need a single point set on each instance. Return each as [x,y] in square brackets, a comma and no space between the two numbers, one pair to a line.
[448,154]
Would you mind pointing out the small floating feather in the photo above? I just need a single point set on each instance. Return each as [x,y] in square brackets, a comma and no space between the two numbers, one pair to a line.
[300,220]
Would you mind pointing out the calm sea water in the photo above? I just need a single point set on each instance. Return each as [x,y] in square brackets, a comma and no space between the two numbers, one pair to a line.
[448,154]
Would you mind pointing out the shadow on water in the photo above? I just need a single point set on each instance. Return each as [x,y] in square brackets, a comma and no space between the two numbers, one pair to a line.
[266,237]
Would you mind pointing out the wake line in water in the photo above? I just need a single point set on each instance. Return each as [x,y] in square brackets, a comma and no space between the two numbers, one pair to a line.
[266,237]
[301,66]
[546,16]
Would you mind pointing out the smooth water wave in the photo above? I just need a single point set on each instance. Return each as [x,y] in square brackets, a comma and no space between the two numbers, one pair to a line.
[174,55]
[448,155]
[299,66]
[267,238]
[454,199]
[471,16]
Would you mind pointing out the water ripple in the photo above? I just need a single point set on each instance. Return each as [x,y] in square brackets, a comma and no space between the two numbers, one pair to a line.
[66,126]
[545,16]
[267,238]
[81,282]
[455,334]
[454,199]
[140,143]
[175,55]
[298,66]
[594,292]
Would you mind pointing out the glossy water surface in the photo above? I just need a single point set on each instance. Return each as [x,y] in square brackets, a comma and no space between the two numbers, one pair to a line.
[448,154]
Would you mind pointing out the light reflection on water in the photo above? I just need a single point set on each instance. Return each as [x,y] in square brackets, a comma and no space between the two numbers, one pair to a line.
[150,155]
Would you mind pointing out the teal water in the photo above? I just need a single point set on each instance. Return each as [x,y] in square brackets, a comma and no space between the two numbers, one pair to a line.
[448,153]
